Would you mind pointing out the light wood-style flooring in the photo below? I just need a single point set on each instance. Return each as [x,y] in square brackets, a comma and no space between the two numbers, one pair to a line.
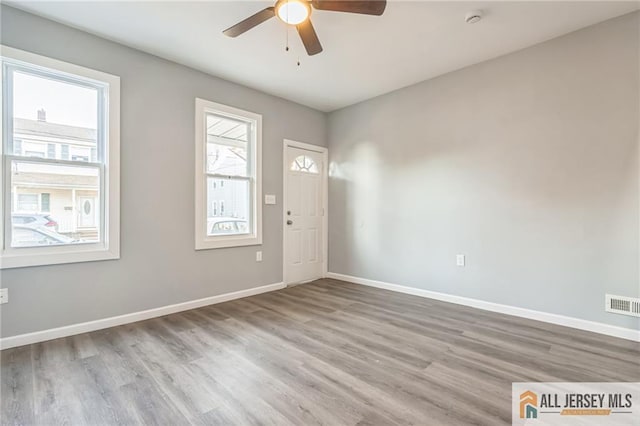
[329,352]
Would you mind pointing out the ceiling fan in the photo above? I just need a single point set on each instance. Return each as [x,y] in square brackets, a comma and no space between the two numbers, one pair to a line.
[298,13]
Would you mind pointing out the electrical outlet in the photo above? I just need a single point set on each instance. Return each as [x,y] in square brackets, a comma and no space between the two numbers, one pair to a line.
[258,256]
[460,260]
[4,295]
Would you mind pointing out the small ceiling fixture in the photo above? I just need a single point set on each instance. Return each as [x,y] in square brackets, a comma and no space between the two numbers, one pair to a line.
[293,12]
[473,16]
[297,13]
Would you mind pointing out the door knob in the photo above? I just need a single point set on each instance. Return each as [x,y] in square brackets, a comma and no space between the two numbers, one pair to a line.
[289,222]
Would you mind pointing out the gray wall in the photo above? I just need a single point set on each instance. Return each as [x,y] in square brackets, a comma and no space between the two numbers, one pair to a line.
[527,163]
[158,264]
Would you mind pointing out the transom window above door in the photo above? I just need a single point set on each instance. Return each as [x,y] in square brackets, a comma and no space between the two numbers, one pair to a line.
[302,163]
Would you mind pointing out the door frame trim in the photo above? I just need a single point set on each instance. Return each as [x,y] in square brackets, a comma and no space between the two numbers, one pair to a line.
[325,202]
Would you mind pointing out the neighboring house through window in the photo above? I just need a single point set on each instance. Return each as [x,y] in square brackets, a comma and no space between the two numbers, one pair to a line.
[62,161]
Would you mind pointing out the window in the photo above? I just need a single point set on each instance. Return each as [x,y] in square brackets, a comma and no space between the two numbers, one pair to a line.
[45,202]
[27,202]
[228,180]
[37,154]
[305,164]
[60,201]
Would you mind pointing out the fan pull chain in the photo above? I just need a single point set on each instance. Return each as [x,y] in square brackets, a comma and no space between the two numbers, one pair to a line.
[287,48]
[286,29]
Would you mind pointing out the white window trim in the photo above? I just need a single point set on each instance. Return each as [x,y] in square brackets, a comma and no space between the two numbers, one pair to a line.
[109,248]
[202,240]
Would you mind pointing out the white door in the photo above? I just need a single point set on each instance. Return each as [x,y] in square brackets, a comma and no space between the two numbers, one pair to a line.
[87,207]
[304,180]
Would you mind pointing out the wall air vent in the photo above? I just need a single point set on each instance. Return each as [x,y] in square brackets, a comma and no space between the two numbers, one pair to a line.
[622,305]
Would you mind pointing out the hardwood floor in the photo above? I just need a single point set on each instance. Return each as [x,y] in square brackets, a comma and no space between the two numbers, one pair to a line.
[329,352]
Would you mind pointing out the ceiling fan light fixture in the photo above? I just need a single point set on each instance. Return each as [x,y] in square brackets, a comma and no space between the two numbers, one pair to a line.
[293,12]
[298,12]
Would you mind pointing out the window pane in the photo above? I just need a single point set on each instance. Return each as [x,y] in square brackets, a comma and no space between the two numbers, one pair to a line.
[27,202]
[68,211]
[45,202]
[53,119]
[302,163]
[228,207]
[227,142]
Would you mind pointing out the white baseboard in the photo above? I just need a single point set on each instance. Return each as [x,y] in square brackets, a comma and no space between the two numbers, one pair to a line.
[595,327]
[85,327]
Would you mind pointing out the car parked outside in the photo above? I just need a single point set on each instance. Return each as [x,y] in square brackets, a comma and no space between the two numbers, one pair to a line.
[33,220]
[226,226]
[28,236]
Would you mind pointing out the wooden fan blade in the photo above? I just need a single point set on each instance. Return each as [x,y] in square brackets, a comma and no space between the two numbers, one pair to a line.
[367,7]
[250,22]
[309,37]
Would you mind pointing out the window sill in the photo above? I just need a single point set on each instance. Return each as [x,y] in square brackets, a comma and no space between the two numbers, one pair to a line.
[228,242]
[11,260]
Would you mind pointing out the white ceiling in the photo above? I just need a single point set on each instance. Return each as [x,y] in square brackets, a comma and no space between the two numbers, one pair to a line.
[364,56]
